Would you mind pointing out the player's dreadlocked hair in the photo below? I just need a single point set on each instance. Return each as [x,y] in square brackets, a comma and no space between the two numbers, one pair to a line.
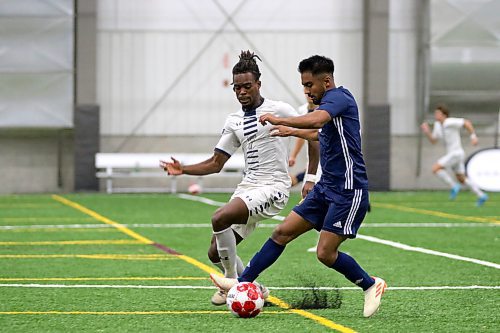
[247,64]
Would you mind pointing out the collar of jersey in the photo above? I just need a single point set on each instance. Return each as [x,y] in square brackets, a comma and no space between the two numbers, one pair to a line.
[253,112]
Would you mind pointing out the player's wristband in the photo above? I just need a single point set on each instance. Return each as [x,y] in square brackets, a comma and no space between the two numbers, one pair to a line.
[310,178]
[473,136]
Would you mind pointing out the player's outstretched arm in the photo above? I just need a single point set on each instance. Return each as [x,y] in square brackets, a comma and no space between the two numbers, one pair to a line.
[312,167]
[312,120]
[307,134]
[213,165]
[473,137]
[295,152]
[427,131]
[173,168]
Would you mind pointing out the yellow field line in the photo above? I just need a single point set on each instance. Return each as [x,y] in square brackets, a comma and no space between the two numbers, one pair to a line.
[100,255]
[25,205]
[102,219]
[77,242]
[198,264]
[39,219]
[323,321]
[278,302]
[72,230]
[90,256]
[137,278]
[436,213]
[224,312]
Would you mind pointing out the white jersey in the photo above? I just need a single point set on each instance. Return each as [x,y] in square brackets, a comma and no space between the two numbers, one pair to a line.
[266,156]
[302,110]
[449,131]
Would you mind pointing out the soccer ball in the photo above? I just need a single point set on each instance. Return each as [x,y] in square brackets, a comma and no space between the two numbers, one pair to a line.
[194,189]
[245,300]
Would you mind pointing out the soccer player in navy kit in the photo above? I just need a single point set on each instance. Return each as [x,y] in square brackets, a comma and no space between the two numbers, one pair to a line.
[339,201]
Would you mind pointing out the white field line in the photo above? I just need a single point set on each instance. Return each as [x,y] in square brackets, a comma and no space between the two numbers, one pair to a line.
[427,251]
[132,286]
[201,199]
[262,225]
[384,242]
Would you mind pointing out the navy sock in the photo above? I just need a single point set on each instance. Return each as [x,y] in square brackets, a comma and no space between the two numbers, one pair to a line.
[267,255]
[346,265]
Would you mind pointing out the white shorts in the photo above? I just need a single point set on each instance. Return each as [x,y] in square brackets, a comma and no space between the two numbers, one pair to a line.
[454,161]
[263,202]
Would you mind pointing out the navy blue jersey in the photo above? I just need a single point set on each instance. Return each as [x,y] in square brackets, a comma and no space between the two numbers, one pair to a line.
[340,143]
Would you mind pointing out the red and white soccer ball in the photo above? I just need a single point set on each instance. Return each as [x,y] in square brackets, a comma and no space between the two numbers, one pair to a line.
[245,300]
[194,189]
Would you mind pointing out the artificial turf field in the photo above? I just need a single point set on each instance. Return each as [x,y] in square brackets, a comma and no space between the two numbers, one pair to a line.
[114,263]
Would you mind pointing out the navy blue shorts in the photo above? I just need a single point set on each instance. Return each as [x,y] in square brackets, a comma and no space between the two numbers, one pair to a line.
[340,212]
[300,176]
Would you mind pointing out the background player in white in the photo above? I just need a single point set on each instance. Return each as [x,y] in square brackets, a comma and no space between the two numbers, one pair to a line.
[448,129]
[264,190]
[312,172]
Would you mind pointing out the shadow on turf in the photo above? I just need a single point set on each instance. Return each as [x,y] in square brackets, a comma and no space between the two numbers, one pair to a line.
[312,298]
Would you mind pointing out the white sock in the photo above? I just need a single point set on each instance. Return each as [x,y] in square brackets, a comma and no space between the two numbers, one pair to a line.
[240,267]
[219,266]
[226,246]
[445,177]
[473,187]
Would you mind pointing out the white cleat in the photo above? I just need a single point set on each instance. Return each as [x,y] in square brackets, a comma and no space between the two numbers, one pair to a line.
[373,296]
[312,249]
[223,282]
[219,298]
[263,290]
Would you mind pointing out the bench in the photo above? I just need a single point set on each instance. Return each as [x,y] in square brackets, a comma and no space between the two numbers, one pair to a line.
[111,166]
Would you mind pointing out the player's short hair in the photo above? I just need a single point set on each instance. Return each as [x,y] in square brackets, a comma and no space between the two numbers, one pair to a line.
[444,109]
[317,65]
[247,64]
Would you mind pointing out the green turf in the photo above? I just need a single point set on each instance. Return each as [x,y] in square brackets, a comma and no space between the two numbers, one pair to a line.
[176,309]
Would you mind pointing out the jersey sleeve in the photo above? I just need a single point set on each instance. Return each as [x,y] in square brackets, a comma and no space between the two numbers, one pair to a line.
[302,110]
[437,132]
[334,108]
[228,142]
[455,122]
[286,110]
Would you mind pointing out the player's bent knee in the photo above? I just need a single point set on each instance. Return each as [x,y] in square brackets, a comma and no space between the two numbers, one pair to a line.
[436,168]
[281,237]
[325,257]
[219,222]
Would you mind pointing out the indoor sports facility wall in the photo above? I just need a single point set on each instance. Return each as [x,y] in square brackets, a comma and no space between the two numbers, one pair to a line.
[160,73]
[165,68]
[36,64]
[36,95]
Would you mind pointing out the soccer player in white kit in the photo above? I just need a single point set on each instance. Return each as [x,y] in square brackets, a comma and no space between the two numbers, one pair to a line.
[448,129]
[264,190]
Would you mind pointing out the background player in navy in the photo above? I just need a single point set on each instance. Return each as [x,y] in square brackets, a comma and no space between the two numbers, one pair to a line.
[339,201]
